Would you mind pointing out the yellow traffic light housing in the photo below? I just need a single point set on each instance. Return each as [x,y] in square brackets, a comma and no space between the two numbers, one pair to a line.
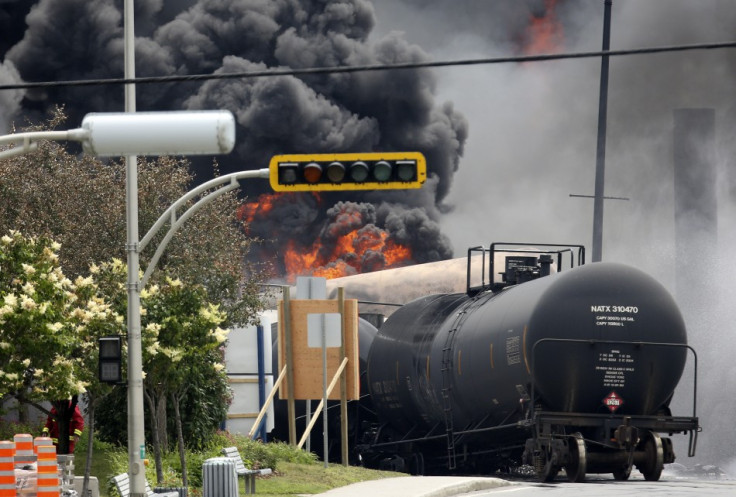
[333,172]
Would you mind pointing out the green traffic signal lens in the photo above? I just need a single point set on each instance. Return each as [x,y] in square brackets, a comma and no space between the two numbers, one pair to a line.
[382,170]
[287,174]
[336,172]
[359,171]
[406,170]
[312,172]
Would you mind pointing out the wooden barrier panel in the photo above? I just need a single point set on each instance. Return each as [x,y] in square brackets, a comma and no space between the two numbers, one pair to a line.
[308,360]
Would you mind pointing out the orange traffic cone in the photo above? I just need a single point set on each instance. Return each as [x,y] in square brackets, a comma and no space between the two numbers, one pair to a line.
[48,473]
[23,449]
[7,470]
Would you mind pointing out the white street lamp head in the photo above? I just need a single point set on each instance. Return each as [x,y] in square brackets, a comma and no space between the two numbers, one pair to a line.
[159,133]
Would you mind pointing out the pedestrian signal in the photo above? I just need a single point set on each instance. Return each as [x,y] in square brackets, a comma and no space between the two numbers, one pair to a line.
[110,359]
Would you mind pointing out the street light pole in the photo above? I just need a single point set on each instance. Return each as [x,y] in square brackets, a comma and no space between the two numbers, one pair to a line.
[146,133]
[136,437]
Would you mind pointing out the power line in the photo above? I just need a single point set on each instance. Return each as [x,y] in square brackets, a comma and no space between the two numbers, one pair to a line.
[365,68]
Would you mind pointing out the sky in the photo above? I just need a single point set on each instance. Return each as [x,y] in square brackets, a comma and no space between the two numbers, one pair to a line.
[507,144]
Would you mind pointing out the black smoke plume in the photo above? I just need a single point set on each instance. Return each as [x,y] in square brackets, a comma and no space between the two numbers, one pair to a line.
[361,112]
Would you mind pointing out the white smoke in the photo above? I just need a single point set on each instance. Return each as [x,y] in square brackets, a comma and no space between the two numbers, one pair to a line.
[9,99]
[532,143]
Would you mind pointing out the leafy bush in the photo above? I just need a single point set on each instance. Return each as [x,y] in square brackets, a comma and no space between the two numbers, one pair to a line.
[195,460]
[98,445]
[10,428]
[256,455]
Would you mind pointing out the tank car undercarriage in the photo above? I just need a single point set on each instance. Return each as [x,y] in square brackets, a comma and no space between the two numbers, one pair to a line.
[590,443]
[577,444]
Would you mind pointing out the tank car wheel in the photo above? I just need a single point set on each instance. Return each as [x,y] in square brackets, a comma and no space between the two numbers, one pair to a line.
[577,459]
[546,465]
[416,464]
[622,474]
[653,463]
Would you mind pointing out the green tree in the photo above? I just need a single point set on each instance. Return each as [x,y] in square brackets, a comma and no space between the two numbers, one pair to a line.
[36,333]
[79,201]
[181,343]
[48,328]
[90,290]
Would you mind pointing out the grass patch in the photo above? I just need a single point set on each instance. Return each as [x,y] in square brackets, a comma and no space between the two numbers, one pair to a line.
[296,472]
[295,479]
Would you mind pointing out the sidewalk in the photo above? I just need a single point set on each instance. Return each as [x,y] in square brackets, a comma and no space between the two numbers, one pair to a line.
[416,486]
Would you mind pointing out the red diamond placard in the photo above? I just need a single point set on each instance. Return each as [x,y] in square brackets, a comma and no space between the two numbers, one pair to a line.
[613,401]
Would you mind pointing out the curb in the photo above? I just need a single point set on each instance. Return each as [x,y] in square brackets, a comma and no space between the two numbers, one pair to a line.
[417,486]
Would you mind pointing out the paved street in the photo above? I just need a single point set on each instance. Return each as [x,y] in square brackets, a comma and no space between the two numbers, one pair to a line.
[668,485]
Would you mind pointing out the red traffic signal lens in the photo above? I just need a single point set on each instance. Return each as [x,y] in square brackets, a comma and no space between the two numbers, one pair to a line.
[312,172]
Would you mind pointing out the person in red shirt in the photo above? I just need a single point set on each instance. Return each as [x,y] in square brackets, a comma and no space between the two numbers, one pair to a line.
[76,425]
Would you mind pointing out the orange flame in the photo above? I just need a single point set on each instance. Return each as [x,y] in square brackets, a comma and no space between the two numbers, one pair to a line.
[396,254]
[249,211]
[350,246]
[345,257]
[545,34]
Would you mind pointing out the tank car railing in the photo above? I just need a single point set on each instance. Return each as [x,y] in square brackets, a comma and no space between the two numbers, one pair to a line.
[670,423]
[560,250]
[471,290]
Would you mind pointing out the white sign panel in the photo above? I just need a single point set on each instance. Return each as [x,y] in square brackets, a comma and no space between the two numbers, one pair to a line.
[327,325]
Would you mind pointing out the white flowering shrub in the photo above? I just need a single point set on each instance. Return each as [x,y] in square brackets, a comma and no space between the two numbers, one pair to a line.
[48,325]
[182,345]
[177,322]
[180,330]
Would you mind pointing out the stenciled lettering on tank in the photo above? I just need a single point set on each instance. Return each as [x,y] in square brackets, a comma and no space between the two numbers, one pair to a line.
[513,350]
[614,315]
[614,367]
[388,390]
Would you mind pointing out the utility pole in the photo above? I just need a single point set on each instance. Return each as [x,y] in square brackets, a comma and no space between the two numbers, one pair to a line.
[600,162]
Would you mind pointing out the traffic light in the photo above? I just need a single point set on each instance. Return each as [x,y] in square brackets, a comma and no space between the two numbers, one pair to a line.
[332,172]
[110,359]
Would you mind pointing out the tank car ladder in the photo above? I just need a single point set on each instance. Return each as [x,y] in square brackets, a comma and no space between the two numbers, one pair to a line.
[447,364]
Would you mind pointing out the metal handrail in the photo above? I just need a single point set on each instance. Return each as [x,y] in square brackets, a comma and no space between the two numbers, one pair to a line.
[617,342]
